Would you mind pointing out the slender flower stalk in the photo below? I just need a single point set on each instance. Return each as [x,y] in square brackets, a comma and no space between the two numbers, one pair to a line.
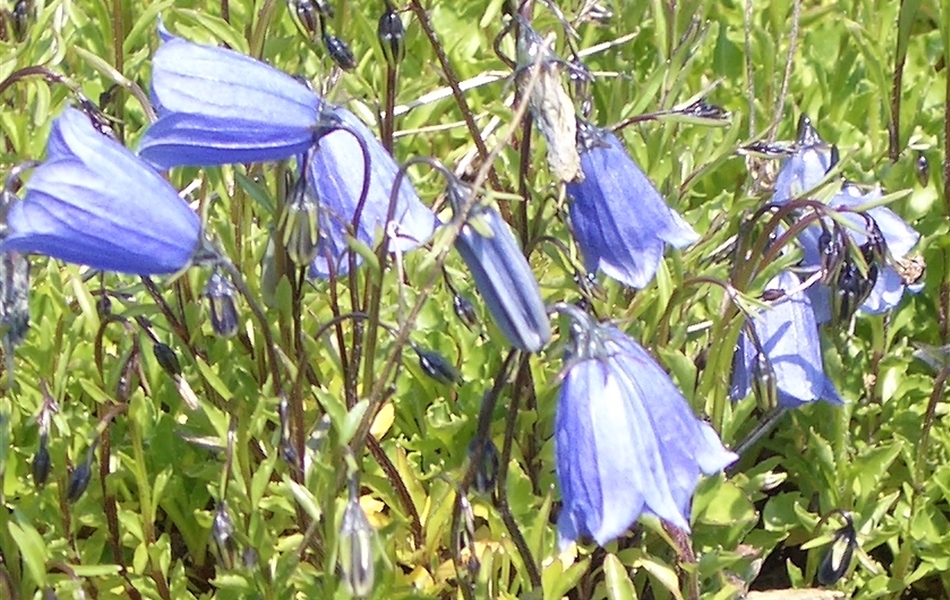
[92,202]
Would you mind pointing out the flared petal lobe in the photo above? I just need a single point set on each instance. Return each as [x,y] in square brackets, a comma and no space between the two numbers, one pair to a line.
[95,203]
[806,167]
[790,350]
[618,217]
[504,279]
[626,442]
[336,171]
[217,106]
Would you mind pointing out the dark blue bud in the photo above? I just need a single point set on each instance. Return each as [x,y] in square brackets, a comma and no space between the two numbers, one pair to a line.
[922,167]
[222,534]
[465,310]
[339,51]
[486,471]
[837,558]
[437,366]
[167,359]
[391,34]
[21,19]
[79,480]
[42,464]
[220,293]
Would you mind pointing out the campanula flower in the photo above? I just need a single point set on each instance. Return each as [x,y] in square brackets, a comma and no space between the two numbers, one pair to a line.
[618,217]
[806,167]
[336,171]
[786,350]
[626,441]
[502,274]
[217,107]
[890,269]
[95,203]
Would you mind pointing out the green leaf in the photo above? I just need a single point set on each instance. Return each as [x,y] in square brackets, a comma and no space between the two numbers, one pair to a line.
[32,547]
[619,586]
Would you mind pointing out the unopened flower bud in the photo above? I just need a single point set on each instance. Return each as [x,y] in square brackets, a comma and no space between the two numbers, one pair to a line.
[220,293]
[486,471]
[21,19]
[465,536]
[79,480]
[356,550]
[837,558]
[167,359]
[42,465]
[391,33]
[437,366]
[339,51]
[222,532]
[300,223]
[923,169]
[465,310]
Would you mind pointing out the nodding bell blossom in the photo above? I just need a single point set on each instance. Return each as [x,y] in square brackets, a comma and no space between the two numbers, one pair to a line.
[885,239]
[806,167]
[626,441]
[619,219]
[785,353]
[92,202]
[502,274]
[217,107]
[336,172]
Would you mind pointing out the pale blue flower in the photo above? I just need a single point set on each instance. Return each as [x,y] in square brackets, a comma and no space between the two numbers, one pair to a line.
[785,351]
[618,217]
[626,441]
[92,202]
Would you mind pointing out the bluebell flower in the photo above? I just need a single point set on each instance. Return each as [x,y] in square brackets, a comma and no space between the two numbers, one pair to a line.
[785,352]
[618,217]
[336,172]
[217,107]
[502,274]
[890,278]
[806,167]
[95,203]
[626,441]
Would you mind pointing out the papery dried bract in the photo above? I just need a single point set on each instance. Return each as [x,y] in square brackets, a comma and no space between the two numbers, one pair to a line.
[789,350]
[92,202]
[626,441]
[619,219]
[336,171]
[502,275]
[217,106]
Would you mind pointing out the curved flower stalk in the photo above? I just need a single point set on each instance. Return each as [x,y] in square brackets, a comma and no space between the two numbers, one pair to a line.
[626,441]
[618,217]
[336,174]
[890,269]
[806,167]
[92,202]
[217,107]
[785,352]
[502,274]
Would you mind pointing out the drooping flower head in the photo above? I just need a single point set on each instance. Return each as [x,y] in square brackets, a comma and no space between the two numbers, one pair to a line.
[785,351]
[502,274]
[336,173]
[806,167]
[217,106]
[626,441]
[619,219]
[92,202]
